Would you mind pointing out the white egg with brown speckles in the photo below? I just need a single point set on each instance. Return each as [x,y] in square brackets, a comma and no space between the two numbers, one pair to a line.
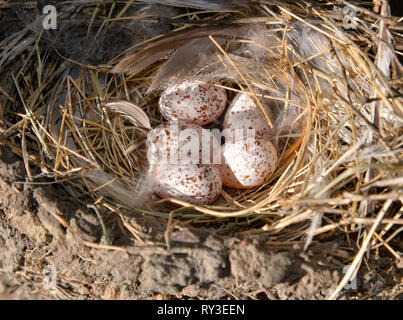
[244,118]
[195,183]
[247,163]
[192,102]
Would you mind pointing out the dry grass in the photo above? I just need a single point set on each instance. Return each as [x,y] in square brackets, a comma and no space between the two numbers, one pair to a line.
[338,126]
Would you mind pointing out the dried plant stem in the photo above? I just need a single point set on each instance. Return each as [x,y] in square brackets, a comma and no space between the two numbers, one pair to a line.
[358,257]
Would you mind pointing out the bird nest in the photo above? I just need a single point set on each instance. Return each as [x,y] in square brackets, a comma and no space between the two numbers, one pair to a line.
[331,74]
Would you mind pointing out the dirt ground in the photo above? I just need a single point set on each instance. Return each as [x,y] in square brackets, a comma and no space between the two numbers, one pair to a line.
[53,247]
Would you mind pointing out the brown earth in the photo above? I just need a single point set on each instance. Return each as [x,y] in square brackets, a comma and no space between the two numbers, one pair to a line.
[53,247]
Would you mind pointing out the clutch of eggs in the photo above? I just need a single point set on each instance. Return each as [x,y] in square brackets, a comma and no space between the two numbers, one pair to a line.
[192,102]
[183,155]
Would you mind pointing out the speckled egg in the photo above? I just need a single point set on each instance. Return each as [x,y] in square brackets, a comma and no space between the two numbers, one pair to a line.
[177,142]
[195,183]
[247,163]
[243,116]
[192,102]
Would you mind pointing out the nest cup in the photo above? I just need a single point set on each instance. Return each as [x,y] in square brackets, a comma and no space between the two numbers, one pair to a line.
[117,123]
[332,103]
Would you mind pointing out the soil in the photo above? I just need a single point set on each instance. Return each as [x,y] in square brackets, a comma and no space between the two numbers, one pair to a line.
[53,246]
